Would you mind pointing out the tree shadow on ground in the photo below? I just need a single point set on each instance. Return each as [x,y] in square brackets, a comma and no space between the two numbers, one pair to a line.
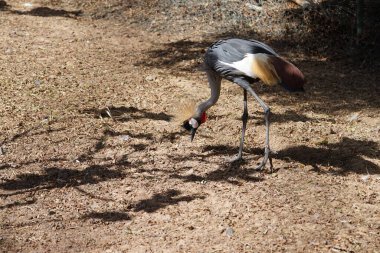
[49,12]
[3,5]
[98,146]
[124,113]
[55,177]
[345,156]
[287,116]
[31,131]
[150,205]
[228,171]
[91,195]
[331,31]
[161,200]
[216,150]
[19,203]
[5,166]
[175,54]
[111,216]
[125,136]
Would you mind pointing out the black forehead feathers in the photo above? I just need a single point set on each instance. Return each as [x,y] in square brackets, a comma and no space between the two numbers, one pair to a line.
[187,125]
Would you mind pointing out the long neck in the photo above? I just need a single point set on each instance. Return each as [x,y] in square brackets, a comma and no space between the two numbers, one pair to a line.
[214,81]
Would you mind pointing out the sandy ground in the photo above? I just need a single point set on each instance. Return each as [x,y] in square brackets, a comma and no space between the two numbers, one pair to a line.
[91,160]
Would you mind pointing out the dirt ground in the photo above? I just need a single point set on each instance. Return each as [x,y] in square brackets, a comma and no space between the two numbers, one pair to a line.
[91,160]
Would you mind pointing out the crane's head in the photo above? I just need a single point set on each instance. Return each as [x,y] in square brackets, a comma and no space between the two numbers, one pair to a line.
[186,114]
[192,124]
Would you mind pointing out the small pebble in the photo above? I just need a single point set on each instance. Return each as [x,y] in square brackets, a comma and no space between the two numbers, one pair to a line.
[364,178]
[229,232]
[125,137]
[354,117]
[150,78]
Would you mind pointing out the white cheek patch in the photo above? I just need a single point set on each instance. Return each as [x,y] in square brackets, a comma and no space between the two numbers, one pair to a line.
[194,123]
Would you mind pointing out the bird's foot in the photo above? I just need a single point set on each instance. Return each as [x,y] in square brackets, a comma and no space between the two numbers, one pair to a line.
[265,160]
[236,159]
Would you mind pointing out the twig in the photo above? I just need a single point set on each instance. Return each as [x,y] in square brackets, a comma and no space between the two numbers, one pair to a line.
[254,7]
[302,3]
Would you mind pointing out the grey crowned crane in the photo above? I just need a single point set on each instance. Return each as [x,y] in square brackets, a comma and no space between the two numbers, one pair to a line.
[244,62]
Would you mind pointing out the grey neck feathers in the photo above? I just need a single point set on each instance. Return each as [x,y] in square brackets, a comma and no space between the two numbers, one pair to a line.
[214,81]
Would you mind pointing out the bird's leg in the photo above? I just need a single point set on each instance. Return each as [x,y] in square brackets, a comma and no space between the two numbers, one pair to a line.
[267,149]
[244,118]
[245,85]
[266,116]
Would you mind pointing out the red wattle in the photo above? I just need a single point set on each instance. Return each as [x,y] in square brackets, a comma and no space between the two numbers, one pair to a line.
[203,117]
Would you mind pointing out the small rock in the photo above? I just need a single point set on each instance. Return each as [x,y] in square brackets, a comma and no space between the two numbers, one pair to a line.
[128,231]
[125,137]
[150,78]
[229,232]
[95,206]
[364,178]
[354,117]
[189,172]
[254,7]
[37,82]
[28,5]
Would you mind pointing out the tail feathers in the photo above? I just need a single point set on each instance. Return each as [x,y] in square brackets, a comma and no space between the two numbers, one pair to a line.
[292,78]
[265,70]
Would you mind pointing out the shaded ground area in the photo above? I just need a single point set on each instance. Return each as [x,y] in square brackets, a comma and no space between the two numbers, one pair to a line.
[91,160]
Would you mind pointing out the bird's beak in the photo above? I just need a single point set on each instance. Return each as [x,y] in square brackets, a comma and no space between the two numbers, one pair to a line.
[192,133]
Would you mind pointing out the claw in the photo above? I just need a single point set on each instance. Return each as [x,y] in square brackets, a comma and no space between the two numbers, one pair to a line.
[265,160]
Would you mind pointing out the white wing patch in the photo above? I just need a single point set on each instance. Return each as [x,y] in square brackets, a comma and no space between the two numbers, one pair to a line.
[244,65]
